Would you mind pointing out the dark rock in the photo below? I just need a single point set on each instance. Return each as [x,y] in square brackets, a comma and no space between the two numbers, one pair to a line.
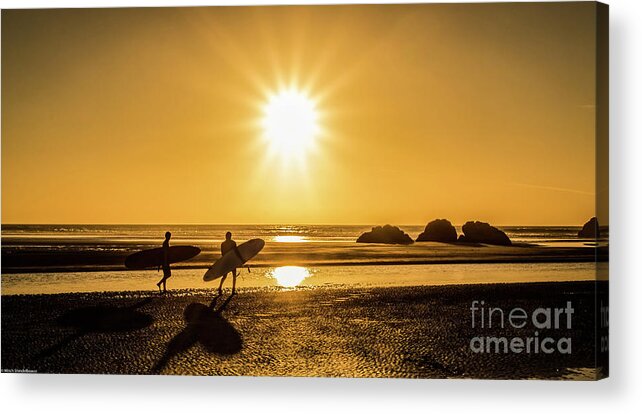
[590,230]
[440,230]
[387,234]
[479,232]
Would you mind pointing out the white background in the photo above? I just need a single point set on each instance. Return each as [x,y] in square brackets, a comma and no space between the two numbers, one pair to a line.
[622,392]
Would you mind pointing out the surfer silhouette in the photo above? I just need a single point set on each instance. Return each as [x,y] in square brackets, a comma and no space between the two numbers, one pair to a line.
[227,246]
[167,272]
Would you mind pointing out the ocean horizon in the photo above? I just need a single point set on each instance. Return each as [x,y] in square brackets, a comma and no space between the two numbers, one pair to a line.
[306,232]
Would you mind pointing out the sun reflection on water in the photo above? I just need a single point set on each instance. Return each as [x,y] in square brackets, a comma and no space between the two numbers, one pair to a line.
[289,239]
[290,276]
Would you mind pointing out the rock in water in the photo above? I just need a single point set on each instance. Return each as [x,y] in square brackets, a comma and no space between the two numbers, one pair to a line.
[479,232]
[440,230]
[387,234]
[590,230]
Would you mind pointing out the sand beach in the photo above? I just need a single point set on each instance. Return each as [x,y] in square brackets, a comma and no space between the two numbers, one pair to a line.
[401,332]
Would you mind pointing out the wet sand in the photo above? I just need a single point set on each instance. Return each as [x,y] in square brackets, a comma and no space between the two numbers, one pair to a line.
[408,332]
[77,258]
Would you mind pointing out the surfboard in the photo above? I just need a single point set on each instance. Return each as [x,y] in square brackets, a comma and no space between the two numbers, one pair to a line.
[230,261]
[154,257]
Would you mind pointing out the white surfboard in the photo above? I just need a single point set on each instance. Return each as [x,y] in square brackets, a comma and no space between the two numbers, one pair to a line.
[230,260]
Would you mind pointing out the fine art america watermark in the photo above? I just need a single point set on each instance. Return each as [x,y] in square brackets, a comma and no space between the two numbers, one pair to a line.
[553,320]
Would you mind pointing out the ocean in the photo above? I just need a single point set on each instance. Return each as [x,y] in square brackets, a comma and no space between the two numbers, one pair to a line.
[145,234]
[85,258]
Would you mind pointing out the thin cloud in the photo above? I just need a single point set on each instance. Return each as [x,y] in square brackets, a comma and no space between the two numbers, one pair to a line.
[558,189]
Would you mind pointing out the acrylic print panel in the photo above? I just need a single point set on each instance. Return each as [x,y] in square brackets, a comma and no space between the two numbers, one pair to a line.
[416,191]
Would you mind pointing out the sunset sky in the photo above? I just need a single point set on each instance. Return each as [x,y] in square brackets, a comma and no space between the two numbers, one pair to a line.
[462,112]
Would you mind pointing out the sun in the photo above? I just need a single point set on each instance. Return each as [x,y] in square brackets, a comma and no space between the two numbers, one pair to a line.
[290,123]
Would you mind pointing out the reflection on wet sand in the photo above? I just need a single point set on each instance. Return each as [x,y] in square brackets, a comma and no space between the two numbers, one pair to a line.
[290,276]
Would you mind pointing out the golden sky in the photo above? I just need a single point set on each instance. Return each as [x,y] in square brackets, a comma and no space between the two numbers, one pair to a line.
[458,111]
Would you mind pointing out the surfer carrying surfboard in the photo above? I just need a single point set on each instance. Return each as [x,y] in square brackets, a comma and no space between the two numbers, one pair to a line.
[226,246]
[167,272]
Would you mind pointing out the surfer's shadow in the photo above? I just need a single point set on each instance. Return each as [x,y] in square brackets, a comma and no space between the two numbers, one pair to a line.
[99,319]
[207,326]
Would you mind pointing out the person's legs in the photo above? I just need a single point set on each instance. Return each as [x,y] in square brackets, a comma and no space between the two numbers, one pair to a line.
[167,273]
[220,287]
[234,281]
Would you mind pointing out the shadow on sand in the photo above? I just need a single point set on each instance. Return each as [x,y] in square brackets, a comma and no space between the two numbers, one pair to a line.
[205,325]
[100,319]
